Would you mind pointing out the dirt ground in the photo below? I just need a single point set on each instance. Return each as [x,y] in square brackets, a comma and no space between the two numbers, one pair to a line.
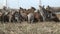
[33,28]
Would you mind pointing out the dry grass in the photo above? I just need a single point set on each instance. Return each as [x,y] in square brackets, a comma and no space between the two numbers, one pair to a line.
[26,28]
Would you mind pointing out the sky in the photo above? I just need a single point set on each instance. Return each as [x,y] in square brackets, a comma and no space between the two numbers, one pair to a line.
[28,3]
